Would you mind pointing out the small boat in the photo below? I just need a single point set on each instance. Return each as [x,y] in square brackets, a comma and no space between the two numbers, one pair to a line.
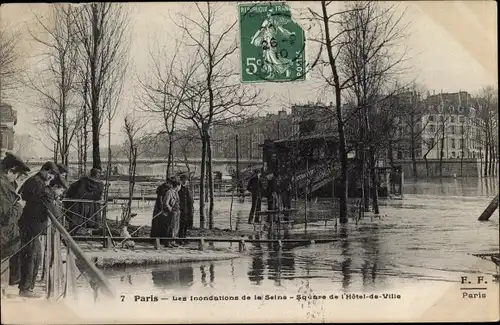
[494,257]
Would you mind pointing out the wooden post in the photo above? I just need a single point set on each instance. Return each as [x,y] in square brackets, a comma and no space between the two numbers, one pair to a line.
[90,268]
[201,244]
[109,243]
[488,212]
[307,192]
[157,243]
[401,182]
[241,245]
[70,287]
[280,245]
[48,258]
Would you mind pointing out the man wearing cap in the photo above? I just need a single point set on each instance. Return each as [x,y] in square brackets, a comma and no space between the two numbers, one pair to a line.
[39,199]
[186,204]
[63,171]
[11,167]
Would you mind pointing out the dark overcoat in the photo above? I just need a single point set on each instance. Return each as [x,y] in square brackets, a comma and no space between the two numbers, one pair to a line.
[39,199]
[186,206]
[160,221]
[84,214]
[10,211]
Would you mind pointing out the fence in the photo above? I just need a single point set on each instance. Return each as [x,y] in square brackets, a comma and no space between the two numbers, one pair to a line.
[148,191]
[61,276]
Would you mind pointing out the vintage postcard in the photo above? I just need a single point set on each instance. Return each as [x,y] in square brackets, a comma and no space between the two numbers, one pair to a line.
[249,162]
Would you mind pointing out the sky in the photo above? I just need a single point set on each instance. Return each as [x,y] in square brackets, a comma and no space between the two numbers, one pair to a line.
[452,46]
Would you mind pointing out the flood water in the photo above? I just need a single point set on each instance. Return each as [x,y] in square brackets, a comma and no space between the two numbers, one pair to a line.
[428,236]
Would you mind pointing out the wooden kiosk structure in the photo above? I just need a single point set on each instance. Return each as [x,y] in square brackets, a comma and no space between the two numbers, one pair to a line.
[312,166]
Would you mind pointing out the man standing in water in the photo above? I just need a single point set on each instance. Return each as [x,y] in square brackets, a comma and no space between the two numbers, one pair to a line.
[39,199]
[255,187]
[186,204]
[11,168]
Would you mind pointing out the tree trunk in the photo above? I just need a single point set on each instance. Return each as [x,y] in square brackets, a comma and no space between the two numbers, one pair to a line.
[96,154]
[169,159]
[364,197]
[375,182]
[413,156]
[390,154]
[340,122]
[486,155]
[131,186]
[202,178]
[426,165]
[210,184]
[441,154]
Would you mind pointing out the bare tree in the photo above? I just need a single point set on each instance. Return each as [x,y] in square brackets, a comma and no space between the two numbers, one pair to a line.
[413,113]
[56,83]
[135,140]
[487,123]
[23,146]
[435,133]
[10,59]
[368,59]
[163,90]
[103,34]
[356,61]
[219,93]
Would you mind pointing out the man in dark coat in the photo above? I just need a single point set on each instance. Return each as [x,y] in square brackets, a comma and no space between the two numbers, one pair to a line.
[187,209]
[254,186]
[11,167]
[85,214]
[160,222]
[39,199]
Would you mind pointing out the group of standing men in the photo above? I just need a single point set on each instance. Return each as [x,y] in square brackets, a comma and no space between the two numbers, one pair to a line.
[173,211]
[277,190]
[24,217]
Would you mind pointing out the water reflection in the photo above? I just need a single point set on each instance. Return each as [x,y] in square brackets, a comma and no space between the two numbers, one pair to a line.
[370,245]
[346,263]
[429,235]
[173,278]
[256,271]
[211,275]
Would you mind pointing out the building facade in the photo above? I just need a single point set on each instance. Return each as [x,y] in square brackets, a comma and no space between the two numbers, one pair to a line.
[446,123]
[8,119]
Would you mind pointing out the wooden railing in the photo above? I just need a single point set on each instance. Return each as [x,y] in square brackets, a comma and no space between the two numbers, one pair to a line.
[60,279]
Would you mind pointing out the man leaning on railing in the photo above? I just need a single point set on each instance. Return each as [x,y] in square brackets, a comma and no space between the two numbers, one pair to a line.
[39,198]
[11,208]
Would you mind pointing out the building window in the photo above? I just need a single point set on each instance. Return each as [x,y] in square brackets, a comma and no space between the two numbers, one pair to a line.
[431,118]
[453,143]
[452,129]
[432,128]
[462,129]
[461,119]
[462,143]
[453,119]
[441,118]
[453,154]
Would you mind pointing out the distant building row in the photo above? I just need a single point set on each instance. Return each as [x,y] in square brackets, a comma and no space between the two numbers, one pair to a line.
[8,119]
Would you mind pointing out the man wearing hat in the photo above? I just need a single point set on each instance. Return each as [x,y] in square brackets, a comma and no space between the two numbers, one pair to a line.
[11,167]
[39,199]
[186,204]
